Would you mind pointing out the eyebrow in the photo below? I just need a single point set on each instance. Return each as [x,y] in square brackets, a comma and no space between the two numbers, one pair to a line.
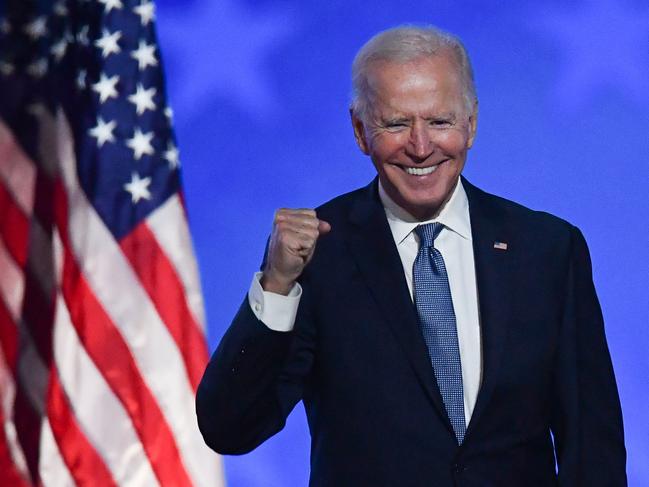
[397,119]
[445,115]
[450,116]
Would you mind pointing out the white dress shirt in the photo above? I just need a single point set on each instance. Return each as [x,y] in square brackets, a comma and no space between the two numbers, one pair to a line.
[454,243]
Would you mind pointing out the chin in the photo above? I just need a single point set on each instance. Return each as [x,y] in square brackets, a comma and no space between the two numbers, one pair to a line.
[425,199]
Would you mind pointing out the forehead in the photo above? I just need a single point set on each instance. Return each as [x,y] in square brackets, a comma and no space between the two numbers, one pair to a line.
[425,83]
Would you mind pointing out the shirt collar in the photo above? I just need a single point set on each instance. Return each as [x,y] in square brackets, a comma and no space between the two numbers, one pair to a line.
[454,215]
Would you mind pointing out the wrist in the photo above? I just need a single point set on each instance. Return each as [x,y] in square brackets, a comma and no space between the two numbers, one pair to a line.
[272,283]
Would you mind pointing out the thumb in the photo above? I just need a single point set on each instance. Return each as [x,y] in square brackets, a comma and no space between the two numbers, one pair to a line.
[323,227]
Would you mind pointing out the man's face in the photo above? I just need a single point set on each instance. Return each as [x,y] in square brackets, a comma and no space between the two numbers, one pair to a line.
[417,130]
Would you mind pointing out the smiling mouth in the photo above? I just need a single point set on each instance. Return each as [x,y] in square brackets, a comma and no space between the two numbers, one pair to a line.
[421,171]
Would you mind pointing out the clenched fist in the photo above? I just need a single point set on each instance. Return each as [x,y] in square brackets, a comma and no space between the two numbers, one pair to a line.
[292,243]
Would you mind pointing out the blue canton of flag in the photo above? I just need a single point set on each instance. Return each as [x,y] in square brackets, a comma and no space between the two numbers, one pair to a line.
[111,71]
[100,61]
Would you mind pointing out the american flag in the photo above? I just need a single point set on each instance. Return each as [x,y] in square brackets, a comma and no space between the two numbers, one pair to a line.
[101,316]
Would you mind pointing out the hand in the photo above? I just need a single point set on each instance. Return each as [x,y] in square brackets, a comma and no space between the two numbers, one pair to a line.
[292,243]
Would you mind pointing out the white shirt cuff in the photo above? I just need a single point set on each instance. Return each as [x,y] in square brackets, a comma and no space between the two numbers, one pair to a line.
[275,311]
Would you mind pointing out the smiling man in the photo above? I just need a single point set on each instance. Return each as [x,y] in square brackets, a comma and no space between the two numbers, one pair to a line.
[438,335]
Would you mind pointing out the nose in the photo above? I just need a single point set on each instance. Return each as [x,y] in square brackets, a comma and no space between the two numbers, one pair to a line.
[420,145]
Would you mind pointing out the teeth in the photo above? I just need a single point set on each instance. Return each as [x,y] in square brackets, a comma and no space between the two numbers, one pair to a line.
[421,171]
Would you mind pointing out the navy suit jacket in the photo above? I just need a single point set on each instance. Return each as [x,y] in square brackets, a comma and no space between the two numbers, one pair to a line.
[547,403]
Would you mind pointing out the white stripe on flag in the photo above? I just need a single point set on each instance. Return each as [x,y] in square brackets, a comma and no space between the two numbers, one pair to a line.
[12,283]
[88,393]
[175,241]
[53,470]
[16,170]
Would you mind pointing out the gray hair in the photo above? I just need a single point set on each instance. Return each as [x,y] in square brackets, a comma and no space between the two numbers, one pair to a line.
[403,44]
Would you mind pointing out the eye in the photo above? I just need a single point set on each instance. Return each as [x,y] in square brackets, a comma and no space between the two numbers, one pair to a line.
[441,123]
[396,125]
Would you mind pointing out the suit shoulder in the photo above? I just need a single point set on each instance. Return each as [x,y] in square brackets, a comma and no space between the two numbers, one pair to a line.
[537,223]
[339,207]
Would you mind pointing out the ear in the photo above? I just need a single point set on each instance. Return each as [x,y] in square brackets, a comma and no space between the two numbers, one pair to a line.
[473,125]
[359,131]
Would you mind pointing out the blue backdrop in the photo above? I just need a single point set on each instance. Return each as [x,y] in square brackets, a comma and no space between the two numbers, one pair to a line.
[261,90]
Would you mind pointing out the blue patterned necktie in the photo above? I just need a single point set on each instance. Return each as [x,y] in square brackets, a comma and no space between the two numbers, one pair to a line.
[437,321]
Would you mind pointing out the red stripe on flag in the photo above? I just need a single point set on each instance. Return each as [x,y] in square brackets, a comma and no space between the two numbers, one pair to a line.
[84,463]
[14,228]
[99,335]
[9,342]
[158,277]
[8,337]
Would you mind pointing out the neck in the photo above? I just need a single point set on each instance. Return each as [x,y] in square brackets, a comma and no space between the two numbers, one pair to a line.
[414,214]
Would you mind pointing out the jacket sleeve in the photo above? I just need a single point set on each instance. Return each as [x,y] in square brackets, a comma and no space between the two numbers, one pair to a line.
[252,381]
[586,417]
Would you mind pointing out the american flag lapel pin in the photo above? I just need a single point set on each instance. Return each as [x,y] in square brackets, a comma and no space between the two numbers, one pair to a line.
[500,245]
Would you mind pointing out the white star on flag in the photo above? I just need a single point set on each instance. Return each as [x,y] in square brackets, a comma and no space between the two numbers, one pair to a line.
[60,8]
[103,131]
[36,109]
[5,26]
[58,49]
[108,43]
[145,55]
[143,99]
[139,188]
[171,155]
[111,4]
[6,68]
[82,36]
[81,79]
[169,113]
[38,68]
[106,87]
[146,11]
[140,143]
[36,28]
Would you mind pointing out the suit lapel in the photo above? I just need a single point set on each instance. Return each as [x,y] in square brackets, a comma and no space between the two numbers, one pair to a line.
[373,249]
[494,277]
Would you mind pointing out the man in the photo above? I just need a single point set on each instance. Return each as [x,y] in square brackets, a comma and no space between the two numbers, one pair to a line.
[438,335]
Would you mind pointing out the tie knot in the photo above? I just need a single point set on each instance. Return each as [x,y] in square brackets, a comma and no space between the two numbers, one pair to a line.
[428,233]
